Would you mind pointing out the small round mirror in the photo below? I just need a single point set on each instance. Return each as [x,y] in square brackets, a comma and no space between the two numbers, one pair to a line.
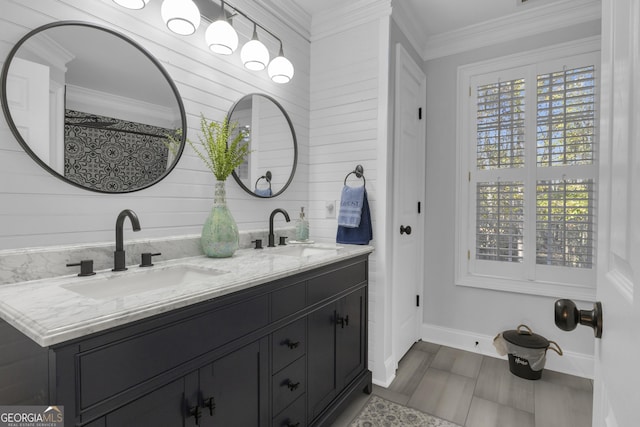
[267,128]
[92,107]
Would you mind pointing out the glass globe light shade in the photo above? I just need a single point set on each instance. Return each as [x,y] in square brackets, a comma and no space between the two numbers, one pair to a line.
[254,54]
[280,69]
[221,37]
[181,16]
[132,4]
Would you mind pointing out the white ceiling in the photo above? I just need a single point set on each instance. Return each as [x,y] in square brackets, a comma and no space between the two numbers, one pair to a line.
[441,16]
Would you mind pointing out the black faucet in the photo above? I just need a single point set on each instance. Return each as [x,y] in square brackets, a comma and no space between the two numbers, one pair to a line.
[271,236]
[119,255]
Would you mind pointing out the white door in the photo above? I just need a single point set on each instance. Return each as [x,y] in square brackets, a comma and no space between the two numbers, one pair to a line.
[408,192]
[617,374]
[28,98]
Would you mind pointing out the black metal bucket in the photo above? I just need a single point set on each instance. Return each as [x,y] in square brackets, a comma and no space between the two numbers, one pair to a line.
[526,338]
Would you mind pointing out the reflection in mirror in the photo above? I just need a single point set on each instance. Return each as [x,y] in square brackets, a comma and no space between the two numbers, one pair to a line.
[266,126]
[92,107]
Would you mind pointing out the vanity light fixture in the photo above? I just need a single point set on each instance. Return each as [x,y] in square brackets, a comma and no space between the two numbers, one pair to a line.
[280,68]
[254,54]
[181,16]
[220,36]
[132,4]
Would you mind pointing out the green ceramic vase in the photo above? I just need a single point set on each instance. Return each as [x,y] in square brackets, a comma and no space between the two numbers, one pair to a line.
[220,237]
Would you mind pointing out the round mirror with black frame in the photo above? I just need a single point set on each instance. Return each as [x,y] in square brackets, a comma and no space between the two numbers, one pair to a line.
[267,128]
[93,107]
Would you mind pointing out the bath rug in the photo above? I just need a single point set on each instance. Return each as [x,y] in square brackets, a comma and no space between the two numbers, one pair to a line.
[379,412]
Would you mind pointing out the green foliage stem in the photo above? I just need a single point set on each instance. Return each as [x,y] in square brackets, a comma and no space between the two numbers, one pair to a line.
[220,154]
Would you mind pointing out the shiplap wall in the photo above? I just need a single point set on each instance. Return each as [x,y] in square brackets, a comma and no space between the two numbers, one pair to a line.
[349,103]
[37,209]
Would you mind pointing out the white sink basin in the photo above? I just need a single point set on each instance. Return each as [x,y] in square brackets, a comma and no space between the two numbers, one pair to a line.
[143,280]
[308,250]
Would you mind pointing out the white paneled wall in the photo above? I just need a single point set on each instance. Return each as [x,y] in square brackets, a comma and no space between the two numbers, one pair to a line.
[37,209]
[349,103]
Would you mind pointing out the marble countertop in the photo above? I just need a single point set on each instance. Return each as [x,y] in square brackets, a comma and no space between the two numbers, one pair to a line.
[55,310]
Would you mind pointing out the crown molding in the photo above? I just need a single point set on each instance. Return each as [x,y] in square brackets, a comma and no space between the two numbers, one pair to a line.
[291,15]
[347,16]
[119,107]
[49,51]
[410,25]
[527,23]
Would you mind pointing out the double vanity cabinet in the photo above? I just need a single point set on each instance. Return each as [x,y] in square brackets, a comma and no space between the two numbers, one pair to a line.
[290,352]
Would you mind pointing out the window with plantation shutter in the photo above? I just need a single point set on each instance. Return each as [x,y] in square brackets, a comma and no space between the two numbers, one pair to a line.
[566,117]
[564,223]
[500,134]
[527,156]
[499,221]
[565,140]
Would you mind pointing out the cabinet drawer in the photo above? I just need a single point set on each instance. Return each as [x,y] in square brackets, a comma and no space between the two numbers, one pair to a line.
[110,369]
[152,409]
[289,384]
[289,343]
[287,301]
[327,285]
[293,416]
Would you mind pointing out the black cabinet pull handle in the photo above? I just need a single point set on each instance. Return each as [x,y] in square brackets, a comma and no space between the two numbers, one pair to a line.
[193,412]
[293,386]
[211,404]
[343,321]
[404,229]
[292,344]
[292,425]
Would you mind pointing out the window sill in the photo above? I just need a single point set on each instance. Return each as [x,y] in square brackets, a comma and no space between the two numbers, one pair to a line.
[537,288]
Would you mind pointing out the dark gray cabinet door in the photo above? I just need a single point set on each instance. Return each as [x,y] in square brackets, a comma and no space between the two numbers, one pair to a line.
[230,392]
[350,337]
[164,407]
[234,389]
[321,362]
[336,352]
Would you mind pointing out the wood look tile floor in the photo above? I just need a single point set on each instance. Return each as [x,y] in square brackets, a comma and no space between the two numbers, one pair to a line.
[473,390]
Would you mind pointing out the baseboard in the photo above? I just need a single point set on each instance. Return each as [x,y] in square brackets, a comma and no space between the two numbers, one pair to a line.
[389,374]
[572,363]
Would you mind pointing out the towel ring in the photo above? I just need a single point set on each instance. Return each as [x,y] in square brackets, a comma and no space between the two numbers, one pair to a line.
[359,172]
[266,177]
